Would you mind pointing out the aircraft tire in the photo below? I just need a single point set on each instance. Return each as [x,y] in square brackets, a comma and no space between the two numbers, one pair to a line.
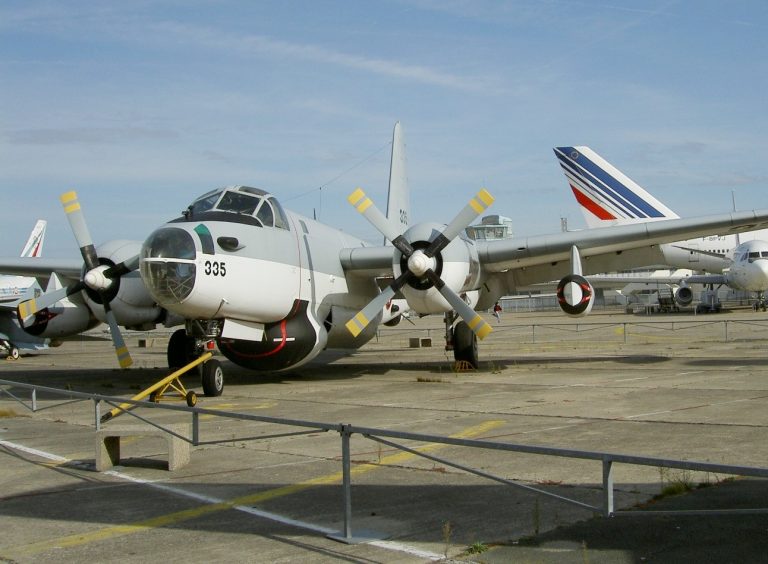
[212,378]
[465,344]
[14,353]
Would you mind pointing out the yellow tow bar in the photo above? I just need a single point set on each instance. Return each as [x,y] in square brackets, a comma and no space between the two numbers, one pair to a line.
[156,390]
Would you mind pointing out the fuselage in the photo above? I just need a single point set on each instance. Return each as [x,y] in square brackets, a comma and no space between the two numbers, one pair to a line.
[749,268]
[271,279]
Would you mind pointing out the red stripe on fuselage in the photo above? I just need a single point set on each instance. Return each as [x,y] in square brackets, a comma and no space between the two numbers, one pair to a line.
[596,210]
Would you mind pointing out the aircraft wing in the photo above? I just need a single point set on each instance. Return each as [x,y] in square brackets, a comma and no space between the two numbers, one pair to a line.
[542,258]
[41,267]
[528,260]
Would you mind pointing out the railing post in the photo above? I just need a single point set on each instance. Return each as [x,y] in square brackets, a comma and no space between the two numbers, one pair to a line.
[97,412]
[533,329]
[726,331]
[346,481]
[625,333]
[34,400]
[195,428]
[607,488]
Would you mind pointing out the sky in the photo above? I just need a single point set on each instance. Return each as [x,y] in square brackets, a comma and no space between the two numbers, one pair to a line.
[142,106]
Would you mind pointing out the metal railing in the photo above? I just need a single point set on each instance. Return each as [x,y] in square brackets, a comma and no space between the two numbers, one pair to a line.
[607,460]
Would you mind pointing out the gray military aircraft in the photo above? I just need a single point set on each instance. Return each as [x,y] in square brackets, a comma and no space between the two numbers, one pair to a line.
[273,288]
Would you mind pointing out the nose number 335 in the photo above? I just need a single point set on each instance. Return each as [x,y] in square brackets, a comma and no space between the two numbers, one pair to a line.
[215,268]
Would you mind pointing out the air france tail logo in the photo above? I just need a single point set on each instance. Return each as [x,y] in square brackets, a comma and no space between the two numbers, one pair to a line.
[603,190]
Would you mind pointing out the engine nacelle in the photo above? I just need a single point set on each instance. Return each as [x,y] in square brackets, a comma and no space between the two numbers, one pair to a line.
[457,265]
[684,296]
[132,304]
[70,317]
[575,295]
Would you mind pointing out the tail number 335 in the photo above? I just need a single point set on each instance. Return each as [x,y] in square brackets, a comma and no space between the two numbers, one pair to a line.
[215,268]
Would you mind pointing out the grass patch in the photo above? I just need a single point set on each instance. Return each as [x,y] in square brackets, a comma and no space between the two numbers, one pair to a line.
[476,547]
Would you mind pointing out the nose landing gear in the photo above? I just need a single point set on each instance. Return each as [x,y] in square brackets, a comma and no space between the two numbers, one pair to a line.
[183,349]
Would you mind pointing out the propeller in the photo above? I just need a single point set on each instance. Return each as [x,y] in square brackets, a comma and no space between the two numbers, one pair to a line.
[420,261]
[97,277]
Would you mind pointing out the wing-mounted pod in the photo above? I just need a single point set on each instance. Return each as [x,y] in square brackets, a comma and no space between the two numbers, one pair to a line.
[575,295]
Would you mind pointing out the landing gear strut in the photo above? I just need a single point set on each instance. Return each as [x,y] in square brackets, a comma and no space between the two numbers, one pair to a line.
[760,303]
[461,339]
[183,349]
[13,350]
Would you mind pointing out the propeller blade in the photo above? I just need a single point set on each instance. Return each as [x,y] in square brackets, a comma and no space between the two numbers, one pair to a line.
[473,319]
[29,308]
[123,356]
[477,205]
[122,268]
[368,209]
[369,312]
[76,220]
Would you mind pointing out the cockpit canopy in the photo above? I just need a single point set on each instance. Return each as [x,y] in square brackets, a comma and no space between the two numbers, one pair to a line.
[243,201]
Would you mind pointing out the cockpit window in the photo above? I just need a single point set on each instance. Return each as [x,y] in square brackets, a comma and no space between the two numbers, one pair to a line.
[764,254]
[281,220]
[205,202]
[753,255]
[238,202]
[265,215]
[259,207]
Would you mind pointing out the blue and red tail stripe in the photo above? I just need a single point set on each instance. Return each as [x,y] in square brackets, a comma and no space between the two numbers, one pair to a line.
[592,180]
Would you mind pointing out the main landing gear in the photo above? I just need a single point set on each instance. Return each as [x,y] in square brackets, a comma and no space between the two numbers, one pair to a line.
[461,339]
[760,303]
[183,349]
[12,351]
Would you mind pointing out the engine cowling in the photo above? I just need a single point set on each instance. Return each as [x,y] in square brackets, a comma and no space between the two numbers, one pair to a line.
[575,295]
[132,304]
[69,317]
[684,296]
[457,265]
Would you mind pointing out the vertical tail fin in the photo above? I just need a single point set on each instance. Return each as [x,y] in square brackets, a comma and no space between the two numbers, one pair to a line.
[399,195]
[605,194]
[34,246]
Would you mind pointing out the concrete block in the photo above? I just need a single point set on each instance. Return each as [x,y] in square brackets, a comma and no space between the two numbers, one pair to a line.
[413,342]
[426,342]
[108,444]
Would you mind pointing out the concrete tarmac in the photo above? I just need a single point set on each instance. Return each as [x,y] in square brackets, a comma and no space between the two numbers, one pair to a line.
[671,386]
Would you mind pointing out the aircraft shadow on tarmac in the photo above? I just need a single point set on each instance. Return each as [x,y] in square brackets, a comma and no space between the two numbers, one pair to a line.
[113,381]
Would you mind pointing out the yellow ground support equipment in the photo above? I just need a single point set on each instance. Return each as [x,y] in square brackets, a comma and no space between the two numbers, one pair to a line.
[157,390]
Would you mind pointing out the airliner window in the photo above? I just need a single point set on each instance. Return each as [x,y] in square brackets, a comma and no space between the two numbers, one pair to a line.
[238,202]
[281,220]
[764,254]
[753,255]
[265,214]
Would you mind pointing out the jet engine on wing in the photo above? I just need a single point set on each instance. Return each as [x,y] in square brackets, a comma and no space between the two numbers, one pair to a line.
[575,295]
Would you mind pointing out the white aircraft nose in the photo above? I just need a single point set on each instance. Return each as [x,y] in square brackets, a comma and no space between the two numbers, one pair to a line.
[757,278]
